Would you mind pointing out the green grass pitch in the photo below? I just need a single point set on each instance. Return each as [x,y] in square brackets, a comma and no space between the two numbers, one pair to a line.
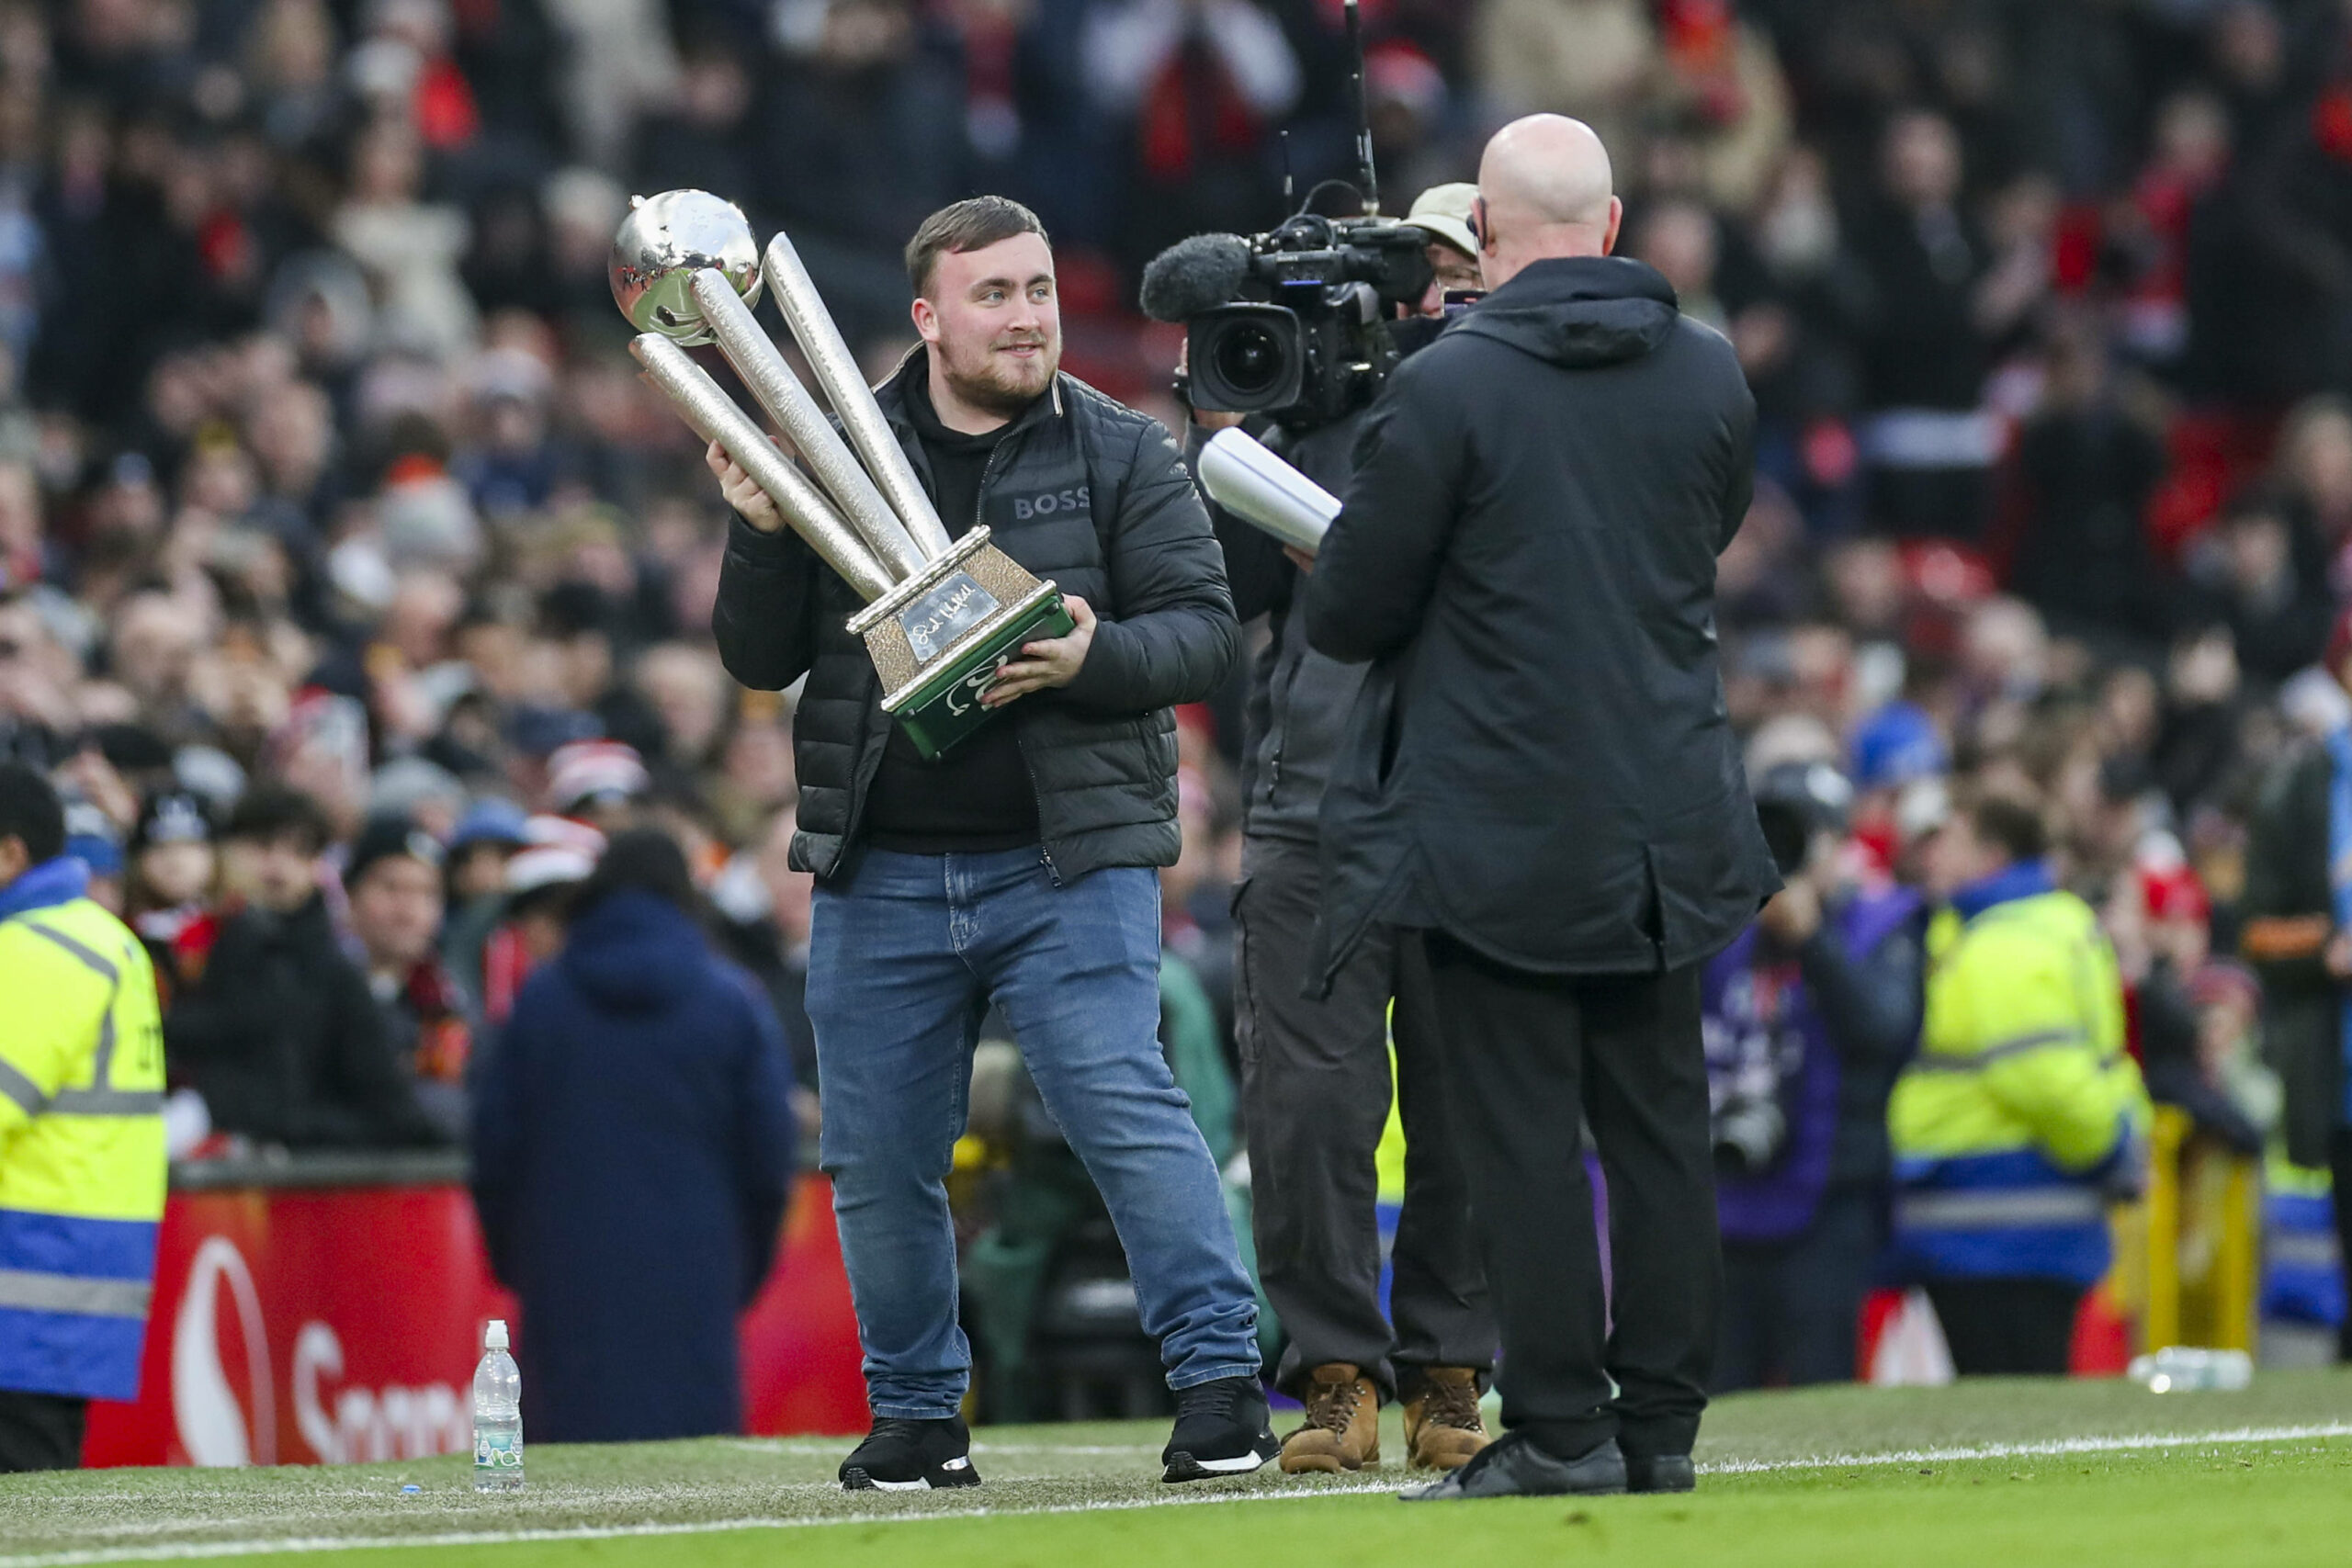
[1997,1474]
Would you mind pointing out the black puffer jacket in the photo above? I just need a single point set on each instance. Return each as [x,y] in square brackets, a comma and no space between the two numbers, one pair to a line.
[1083,490]
[1299,700]
[1541,764]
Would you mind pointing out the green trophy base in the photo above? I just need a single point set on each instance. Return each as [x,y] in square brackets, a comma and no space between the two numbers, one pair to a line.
[944,706]
[938,638]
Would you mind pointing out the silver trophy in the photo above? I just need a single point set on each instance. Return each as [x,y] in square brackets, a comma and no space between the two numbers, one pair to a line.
[942,616]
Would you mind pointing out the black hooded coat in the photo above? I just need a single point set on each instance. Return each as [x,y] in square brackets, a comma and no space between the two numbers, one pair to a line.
[1539,763]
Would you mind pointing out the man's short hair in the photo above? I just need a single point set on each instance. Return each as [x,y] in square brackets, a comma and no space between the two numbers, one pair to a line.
[972,224]
[2015,825]
[30,810]
[268,812]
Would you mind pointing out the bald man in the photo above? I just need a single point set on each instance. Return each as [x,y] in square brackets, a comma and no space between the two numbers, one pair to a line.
[1541,782]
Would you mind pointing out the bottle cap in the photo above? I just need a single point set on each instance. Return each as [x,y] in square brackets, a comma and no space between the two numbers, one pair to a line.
[495,1339]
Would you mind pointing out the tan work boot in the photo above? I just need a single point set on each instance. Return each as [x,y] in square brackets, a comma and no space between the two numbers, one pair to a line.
[1342,1431]
[1443,1426]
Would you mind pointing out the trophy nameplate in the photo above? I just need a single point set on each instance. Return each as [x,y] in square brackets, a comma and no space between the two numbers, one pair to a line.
[938,638]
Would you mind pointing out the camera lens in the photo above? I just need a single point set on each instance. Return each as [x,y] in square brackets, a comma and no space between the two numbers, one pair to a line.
[1247,358]
[1250,360]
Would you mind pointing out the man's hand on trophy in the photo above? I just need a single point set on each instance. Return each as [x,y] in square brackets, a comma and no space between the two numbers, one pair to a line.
[741,494]
[1053,662]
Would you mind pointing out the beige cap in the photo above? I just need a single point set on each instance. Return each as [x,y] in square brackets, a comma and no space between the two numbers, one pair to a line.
[1444,211]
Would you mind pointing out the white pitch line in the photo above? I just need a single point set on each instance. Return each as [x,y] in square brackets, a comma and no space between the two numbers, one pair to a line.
[196,1550]
[199,1550]
[2051,1448]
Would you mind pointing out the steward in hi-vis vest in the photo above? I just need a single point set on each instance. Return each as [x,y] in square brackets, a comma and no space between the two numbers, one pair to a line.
[82,1160]
[2023,1116]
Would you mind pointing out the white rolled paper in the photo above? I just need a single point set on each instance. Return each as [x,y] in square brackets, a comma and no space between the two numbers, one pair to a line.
[1261,489]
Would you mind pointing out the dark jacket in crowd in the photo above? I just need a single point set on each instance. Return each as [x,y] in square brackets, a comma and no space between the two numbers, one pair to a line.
[2083,559]
[1299,700]
[633,1150]
[1920,344]
[1540,764]
[1872,1003]
[2302,1021]
[279,1032]
[1083,490]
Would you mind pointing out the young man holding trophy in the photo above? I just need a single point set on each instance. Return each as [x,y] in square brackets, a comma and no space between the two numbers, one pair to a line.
[983,801]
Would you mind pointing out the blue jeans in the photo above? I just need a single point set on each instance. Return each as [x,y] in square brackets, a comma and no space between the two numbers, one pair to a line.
[906,954]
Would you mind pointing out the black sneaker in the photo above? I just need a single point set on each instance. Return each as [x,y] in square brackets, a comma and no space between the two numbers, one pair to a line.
[901,1455]
[1514,1467]
[1660,1472]
[1220,1430]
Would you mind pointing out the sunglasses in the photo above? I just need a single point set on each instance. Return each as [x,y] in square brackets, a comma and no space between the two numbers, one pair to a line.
[1478,220]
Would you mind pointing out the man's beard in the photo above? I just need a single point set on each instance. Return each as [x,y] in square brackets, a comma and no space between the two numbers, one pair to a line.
[999,384]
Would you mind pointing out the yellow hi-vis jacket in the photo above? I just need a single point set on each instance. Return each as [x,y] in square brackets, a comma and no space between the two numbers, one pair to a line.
[82,1161]
[2022,1102]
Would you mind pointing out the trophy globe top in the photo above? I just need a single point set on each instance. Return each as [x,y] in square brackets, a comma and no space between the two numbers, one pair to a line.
[663,242]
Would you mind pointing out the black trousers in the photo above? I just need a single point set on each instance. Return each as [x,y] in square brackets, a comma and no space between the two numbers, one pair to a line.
[2007,1327]
[1315,1088]
[1526,1054]
[1792,1309]
[40,1431]
[2339,1160]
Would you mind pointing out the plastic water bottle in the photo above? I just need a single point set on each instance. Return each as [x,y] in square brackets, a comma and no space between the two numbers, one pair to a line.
[498,1415]
[2183,1369]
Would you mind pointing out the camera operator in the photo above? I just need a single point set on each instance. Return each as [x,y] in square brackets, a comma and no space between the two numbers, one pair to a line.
[1539,776]
[1809,1016]
[1444,212]
[1314,1073]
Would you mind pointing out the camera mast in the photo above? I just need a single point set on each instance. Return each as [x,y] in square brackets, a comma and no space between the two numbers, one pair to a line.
[1364,114]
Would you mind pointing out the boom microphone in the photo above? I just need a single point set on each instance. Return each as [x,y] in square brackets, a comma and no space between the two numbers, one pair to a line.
[1195,275]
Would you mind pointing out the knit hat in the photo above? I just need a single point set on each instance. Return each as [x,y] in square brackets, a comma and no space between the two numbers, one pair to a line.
[1895,745]
[385,837]
[589,772]
[489,821]
[90,838]
[172,817]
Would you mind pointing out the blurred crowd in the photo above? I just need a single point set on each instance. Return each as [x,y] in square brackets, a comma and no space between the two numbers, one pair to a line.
[355,589]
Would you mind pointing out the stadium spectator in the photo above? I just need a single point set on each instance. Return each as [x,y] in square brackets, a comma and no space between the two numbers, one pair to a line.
[540,879]
[2086,464]
[474,891]
[764,907]
[632,1270]
[92,838]
[1197,85]
[2161,942]
[2273,597]
[1809,1015]
[2021,1114]
[862,136]
[171,869]
[272,1025]
[393,882]
[2299,935]
[1926,321]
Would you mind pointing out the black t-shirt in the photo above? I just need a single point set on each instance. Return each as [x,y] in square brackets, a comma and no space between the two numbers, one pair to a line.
[979,797]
